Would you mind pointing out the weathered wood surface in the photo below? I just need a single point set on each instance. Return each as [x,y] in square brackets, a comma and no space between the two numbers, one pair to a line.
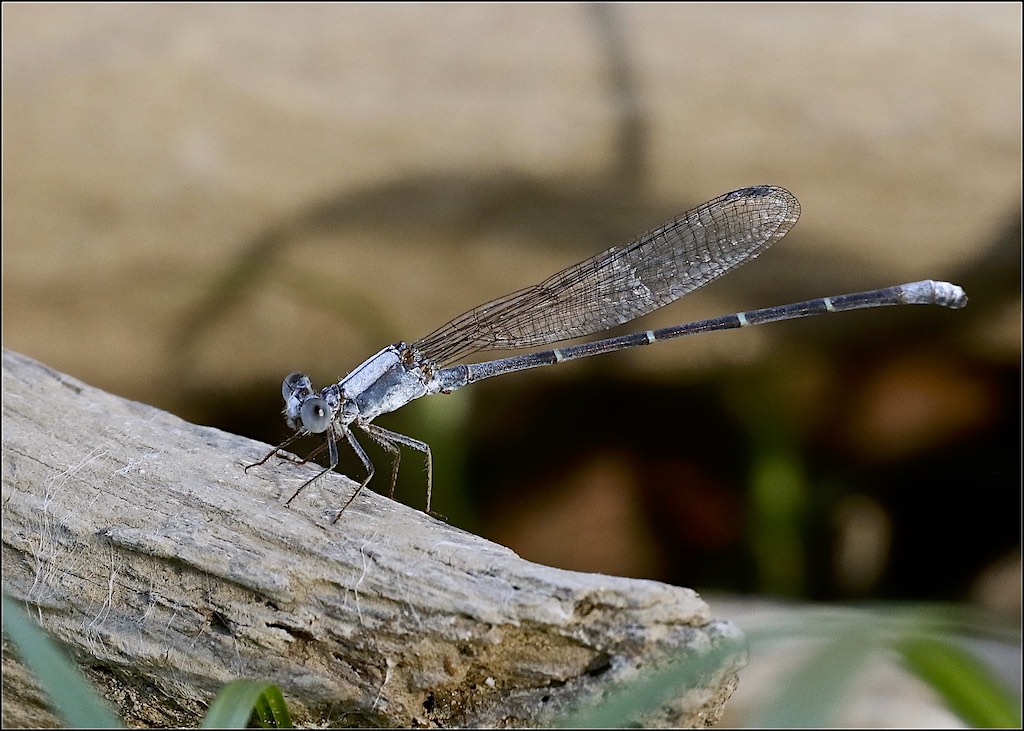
[139,541]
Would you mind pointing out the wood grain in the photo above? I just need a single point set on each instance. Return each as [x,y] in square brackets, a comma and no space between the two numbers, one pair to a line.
[137,539]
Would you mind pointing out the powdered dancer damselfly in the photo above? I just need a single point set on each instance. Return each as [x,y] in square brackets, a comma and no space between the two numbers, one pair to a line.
[614,287]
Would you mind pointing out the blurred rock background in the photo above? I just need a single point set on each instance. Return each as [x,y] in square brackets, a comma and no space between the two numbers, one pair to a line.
[200,199]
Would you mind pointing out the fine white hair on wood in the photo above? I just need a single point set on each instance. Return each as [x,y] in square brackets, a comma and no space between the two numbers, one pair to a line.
[137,539]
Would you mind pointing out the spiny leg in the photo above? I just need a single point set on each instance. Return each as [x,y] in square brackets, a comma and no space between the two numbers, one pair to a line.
[294,459]
[391,448]
[297,460]
[332,451]
[387,437]
[274,451]
[396,454]
[308,458]
[358,449]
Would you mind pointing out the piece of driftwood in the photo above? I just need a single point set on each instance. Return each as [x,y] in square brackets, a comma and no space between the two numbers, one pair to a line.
[137,540]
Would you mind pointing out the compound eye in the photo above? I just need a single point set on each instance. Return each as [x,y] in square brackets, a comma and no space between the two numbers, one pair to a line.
[293,382]
[315,415]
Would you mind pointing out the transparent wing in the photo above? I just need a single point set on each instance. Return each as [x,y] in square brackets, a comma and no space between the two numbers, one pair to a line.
[624,283]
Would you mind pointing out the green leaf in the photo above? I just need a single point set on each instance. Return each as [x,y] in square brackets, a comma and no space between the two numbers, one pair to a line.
[238,700]
[810,696]
[966,685]
[272,710]
[74,699]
